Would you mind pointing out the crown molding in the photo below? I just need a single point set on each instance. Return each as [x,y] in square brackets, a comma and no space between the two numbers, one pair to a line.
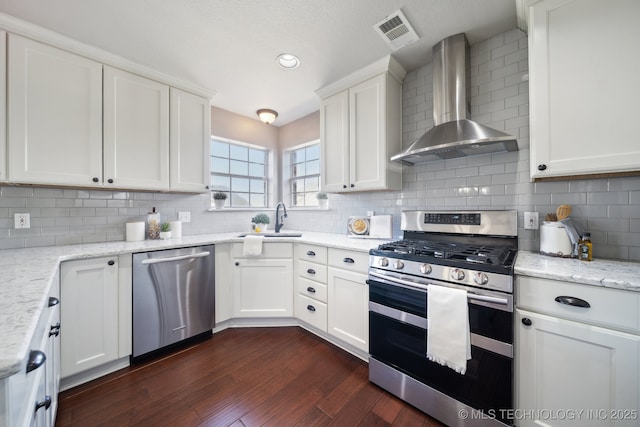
[14,25]
[387,64]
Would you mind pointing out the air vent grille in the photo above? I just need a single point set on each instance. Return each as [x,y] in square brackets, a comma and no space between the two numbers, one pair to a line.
[396,31]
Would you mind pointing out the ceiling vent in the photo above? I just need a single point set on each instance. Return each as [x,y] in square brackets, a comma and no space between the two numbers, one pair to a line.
[396,31]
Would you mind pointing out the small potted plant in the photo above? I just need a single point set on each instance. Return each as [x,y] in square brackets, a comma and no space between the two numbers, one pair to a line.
[261,221]
[165,230]
[219,199]
[323,200]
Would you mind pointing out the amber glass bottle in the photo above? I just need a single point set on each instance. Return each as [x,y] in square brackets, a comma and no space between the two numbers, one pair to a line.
[585,247]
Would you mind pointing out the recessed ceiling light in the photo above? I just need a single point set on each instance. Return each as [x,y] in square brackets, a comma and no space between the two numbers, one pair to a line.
[288,60]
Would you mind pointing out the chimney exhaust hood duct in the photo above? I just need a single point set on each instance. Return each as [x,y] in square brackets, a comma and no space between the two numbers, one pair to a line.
[453,134]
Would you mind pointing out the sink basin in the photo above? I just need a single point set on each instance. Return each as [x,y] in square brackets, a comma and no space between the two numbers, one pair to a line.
[282,234]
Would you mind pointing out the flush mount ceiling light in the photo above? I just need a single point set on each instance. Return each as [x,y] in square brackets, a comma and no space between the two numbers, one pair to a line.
[288,61]
[267,116]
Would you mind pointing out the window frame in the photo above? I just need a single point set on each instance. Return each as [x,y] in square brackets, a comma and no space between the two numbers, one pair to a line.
[288,178]
[267,177]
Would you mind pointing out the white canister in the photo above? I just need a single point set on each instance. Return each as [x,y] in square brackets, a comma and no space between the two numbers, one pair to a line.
[135,231]
[176,228]
[554,240]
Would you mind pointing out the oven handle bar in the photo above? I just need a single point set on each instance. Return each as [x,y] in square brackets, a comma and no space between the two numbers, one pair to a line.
[489,344]
[470,295]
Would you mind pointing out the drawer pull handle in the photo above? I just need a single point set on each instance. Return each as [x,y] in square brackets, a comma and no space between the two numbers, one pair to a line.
[312,290]
[311,253]
[311,271]
[311,308]
[53,301]
[46,403]
[36,359]
[526,321]
[348,260]
[576,302]
[111,262]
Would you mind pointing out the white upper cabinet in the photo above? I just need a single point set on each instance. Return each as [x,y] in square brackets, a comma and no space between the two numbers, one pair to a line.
[190,136]
[3,105]
[584,87]
[360,129]
[54,115]
[136,131]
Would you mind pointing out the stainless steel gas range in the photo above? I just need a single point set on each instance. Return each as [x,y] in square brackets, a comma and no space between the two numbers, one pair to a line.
[470,250]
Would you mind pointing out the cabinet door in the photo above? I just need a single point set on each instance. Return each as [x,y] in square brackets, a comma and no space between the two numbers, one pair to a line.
[89,314]
[263,287]
[367,121]
[564,365]
[190,140]
[224,282]
[3,106]
[334,136]
[136,131]
[584,107]
[348,307]
[54,115]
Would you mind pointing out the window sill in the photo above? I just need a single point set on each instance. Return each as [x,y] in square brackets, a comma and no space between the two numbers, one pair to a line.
[291,209]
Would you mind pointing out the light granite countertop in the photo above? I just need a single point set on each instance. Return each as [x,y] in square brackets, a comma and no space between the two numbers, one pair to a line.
[599,272]
[26,276]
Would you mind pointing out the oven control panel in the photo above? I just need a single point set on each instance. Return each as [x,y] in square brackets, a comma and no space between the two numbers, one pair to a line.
[452,218]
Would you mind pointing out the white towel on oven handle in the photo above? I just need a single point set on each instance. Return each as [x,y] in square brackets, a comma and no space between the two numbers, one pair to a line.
[448,335]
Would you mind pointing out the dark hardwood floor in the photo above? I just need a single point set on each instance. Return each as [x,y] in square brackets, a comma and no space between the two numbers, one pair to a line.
[241,377]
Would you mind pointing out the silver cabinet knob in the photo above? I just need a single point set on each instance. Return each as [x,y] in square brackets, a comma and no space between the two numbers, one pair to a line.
[398,265]
[425,269]
[457,274]
[480,278]
[383,262]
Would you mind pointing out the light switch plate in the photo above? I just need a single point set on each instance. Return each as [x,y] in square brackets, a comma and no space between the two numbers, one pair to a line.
[531,220]
[184,216]
[22,220]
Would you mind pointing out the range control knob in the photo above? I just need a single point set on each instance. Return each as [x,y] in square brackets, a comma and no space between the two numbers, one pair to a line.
[383,262]
[480,278]
[457,274]
[398,265]
[425,268]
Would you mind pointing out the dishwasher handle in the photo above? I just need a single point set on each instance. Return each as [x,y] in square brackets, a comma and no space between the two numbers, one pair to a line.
[175,258]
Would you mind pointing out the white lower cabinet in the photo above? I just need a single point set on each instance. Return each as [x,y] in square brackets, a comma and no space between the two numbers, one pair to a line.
[570,369]
[89,313]
[310,300]
[348,298]
[3,105]
[30,397]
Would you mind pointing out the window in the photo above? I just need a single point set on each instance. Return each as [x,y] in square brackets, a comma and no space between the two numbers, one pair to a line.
[240,170]
[304,164]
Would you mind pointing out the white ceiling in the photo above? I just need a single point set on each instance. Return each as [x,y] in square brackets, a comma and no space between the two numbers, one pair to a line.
[230,46]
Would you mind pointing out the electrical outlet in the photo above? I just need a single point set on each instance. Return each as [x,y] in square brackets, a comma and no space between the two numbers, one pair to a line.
[184,216]
[531,220]
[22,220]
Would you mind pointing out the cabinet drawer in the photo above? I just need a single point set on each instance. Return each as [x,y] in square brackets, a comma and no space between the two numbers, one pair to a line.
[350,260]
[312,271]
[608,307]
[313,253]
[311,311]
[311,289]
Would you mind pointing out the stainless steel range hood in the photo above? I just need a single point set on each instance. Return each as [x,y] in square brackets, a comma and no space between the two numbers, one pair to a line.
[453,135]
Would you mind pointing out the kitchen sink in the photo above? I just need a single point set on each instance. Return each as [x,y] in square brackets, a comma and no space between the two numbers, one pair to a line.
[282,234]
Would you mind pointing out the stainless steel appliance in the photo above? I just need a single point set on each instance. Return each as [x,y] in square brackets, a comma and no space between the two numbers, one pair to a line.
[471,250]
[173,297]
[453,135]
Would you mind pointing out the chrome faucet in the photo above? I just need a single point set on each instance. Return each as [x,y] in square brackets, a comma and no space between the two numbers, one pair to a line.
[280,219]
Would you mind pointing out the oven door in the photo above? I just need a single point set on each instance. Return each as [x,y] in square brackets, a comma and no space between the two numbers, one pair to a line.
[398,338]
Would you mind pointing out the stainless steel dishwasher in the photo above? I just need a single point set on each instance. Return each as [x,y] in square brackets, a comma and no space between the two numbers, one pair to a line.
[173,297]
